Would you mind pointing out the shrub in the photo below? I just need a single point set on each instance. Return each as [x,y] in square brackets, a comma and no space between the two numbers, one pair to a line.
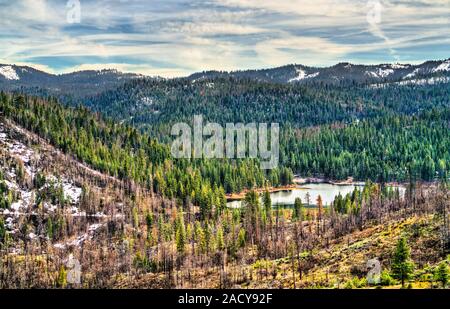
[386,279]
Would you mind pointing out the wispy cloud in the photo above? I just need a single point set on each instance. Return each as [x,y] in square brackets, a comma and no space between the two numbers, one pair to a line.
[178,37]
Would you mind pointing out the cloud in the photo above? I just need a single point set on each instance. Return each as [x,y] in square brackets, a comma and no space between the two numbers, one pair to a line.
[125,67]
[292,49]
[178,37]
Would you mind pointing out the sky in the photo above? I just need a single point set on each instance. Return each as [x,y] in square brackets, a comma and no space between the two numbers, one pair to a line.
[172,38]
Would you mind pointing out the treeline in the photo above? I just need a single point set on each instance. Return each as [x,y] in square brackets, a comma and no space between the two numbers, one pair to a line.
[154,105]
[383,134]
[383,149]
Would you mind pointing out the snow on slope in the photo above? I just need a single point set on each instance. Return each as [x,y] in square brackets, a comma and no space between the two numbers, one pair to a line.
[9,73]
[419,82]
[410,75]
[424,81]
[444,66]
[302,75]
[380,73]
[399,66]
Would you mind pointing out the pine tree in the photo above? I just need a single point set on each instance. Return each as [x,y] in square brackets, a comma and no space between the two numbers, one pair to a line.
[442,273]
[319,213]
[220,243]
[180,236]
[149,221]
[135,217]
[200,237]
[319,207]
[298,209]
[241,238]
[308,199]
[2,230]
[252,214]
[62,277]
[222,200]
[189,232]
[208,237]
[402,266]
[267,202]
[50,228]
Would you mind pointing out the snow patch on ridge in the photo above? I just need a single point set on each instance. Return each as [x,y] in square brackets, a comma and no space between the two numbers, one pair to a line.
[302,75]
[444,66]
[410,75]
[399,66]
[9,73]
[380,73]
[419,82]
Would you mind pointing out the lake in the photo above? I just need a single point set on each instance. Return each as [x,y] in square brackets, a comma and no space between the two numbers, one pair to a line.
[326,190]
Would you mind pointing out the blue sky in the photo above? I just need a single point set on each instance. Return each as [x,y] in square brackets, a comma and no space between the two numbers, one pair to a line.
[178,37]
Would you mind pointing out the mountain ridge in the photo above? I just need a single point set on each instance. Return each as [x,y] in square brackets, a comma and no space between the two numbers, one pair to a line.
[77,84]
[343,71]
[277,74]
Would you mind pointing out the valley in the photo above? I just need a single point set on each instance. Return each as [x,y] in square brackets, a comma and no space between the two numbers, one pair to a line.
[96,181]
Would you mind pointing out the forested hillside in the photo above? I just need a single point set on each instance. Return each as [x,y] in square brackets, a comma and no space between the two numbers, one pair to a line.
[155,105]
[391,133]
[384,149]
[69,86]
[123,235]
[383,134]
[135,217]
[123,152]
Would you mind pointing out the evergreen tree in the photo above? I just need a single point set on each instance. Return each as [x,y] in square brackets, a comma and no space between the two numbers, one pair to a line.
[180,236]
[442,273]
[149,222]
[220,243]
[241,238]
[298,209]
[252,213]
[319,207]
[402,266]
[2,230]
[135,217]
[62,277]
[267,202]
[308,199]
[200,237]
[50,228]
[208,237]
[319,213]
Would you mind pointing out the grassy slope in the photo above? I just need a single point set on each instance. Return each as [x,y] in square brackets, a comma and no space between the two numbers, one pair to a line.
[346,257]
[344,260]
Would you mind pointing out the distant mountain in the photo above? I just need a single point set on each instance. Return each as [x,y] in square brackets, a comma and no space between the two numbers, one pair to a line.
[137,98]
[77,84]
[89,83]
[338,74]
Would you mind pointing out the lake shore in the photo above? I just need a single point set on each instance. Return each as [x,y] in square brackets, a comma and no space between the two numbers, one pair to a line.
[241,195]
[298,180]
